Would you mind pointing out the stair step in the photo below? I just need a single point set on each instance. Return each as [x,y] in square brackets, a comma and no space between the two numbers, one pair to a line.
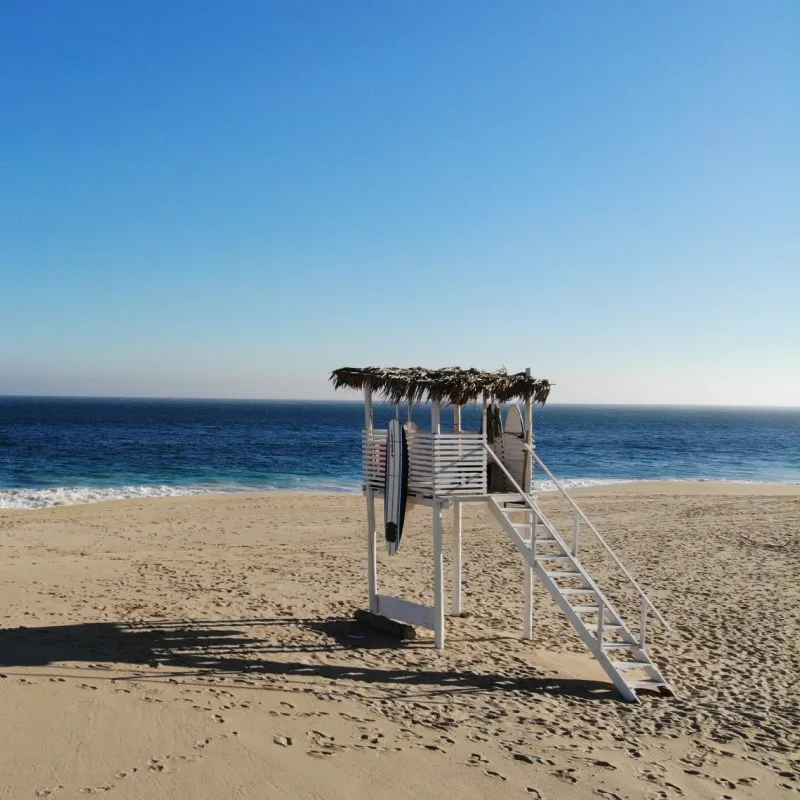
[607,636]
[654,683]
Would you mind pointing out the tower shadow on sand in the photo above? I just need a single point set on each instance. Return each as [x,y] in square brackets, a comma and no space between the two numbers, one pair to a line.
[231,647]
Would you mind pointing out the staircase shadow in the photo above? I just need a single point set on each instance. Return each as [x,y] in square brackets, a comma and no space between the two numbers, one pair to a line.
[225,647]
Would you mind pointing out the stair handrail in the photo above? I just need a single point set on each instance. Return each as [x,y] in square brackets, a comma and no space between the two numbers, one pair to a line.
[551,528]
[536,510]
[602,541]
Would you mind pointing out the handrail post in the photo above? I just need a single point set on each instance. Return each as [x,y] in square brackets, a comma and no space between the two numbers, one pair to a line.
[659,616]
[576,523]
[643,624]
[529,578]
[600,622]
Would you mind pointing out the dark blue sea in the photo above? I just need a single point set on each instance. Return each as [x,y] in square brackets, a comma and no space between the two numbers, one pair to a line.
[56,451]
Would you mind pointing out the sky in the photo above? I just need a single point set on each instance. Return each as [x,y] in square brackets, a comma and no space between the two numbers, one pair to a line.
[231,200]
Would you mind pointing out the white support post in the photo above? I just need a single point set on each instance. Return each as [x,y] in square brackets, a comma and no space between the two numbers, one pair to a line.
[527,485]
[368,417]
[438,542]
[530,517]
[436,429]
[529,575]
[456,577]
[438,577]
[576,526]
[643,624]
[372,561]
[601,621]
[528,460]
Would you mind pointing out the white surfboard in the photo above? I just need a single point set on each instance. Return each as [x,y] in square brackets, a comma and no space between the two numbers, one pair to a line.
[395,485]
[513,449]
[514,422]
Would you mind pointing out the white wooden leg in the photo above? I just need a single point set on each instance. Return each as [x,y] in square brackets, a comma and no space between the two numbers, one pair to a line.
[456,579]
[438,577]
[529,581]
[372,563]
[528,602]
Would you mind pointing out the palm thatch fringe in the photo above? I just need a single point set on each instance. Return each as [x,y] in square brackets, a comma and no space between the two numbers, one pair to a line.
[448,385]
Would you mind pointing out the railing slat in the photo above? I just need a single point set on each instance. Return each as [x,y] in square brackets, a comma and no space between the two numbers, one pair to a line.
[602,541]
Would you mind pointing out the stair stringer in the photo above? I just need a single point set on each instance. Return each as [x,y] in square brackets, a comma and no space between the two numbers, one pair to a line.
[588,638]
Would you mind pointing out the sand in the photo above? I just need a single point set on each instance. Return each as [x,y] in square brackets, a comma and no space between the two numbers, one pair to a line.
[204,647]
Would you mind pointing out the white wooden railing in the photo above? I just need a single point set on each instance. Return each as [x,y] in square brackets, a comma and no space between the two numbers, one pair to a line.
[578,517]
[442,464]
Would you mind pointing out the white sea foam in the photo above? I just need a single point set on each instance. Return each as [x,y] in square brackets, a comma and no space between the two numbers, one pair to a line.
[587,483]
[80,495]
[578,483]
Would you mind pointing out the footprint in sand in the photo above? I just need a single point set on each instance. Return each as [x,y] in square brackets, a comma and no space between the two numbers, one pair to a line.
[323,744]
[599,762]
[125,772]
[324,753]
[569,774]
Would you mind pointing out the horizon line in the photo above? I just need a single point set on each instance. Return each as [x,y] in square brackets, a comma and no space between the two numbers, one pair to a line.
[353,400]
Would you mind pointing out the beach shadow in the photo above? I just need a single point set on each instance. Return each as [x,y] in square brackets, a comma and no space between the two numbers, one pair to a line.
[224,647]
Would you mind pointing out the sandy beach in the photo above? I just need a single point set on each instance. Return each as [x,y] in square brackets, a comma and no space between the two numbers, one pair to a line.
[204,647]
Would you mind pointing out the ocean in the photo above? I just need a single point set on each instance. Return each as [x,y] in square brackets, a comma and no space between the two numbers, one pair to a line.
[57,451]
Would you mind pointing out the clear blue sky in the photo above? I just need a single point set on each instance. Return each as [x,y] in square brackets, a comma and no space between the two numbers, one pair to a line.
[231,199]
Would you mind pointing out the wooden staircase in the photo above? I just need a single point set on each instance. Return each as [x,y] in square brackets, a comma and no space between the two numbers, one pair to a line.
[622,654]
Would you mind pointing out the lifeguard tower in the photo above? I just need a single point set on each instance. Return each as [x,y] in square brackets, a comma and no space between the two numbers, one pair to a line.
[450,468]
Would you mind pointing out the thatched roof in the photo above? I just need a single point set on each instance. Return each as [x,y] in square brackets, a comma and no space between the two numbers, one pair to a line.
[448,385]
